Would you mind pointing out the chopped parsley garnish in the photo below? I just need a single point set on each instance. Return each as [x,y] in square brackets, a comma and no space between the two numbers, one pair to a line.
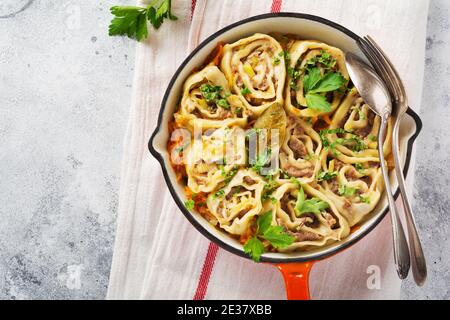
[245,91]
[132,21]
[212,95]
[287,57]
[346,191]
[364,199]
[269,189]
[230,175]
[325,59]
[189,204]
[219,194]
[261,160]
[313,205]
[353,141]
[275,235]
[326,175]
[359,167]
[223,103]
[276,60]
[372,138]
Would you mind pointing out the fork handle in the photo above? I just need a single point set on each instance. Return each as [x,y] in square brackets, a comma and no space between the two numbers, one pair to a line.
[401,251]
[418,263]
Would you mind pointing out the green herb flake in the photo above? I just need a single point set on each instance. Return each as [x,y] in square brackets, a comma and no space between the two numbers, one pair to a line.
[189,204]
[326,175]
[245,91]
[346,191]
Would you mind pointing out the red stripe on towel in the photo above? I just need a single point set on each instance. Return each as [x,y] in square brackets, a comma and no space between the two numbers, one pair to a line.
[276,6]
[208,265]
[193,3]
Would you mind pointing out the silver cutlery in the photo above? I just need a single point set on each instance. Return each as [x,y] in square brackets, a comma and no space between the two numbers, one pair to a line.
[394,83]
[374,92]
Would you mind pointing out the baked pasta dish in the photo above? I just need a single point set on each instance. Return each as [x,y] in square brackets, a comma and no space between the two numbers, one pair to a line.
[275,147]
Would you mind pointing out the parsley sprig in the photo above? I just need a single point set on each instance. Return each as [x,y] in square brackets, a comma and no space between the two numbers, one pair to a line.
[132,21]
[315,84]
[275,235]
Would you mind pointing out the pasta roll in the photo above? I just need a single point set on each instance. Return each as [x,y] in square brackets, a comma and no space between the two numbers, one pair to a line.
[236,204]
[308,215]
[355,117]
[299,156]
[255,69]
[213,160]
[354,191]
[309,62]
[208,102]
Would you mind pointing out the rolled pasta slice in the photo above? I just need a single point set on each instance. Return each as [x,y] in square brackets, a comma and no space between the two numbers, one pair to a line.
[308,215]
[255,69]
[305,56]
[355,117]
[355,191]
[215,158]
[299,156]
[237,203]
[208,103]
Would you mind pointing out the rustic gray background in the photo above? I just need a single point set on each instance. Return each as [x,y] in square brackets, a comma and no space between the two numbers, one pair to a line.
[64,100]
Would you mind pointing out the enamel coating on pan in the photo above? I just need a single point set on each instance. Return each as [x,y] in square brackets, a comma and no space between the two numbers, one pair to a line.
[281,258]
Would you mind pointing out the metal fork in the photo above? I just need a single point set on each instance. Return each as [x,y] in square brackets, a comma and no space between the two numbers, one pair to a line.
[386,70]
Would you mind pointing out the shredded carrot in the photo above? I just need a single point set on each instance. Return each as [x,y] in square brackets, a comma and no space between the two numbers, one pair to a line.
[327,119]
[219,54]
[354,229]
[179,168]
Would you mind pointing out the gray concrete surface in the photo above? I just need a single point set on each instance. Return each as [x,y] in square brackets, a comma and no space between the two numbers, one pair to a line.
[64,100]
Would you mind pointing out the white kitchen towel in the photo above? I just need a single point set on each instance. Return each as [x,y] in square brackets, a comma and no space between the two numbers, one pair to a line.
[158,254]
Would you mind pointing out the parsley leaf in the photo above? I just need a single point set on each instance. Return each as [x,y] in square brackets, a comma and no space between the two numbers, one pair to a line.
[313,205]
[254,248]
[311,79]
[317,102]
[331,82]
[264,222]
[275,235]
[132,21]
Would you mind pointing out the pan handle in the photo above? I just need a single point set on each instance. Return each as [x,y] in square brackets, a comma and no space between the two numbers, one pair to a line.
[296,278]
